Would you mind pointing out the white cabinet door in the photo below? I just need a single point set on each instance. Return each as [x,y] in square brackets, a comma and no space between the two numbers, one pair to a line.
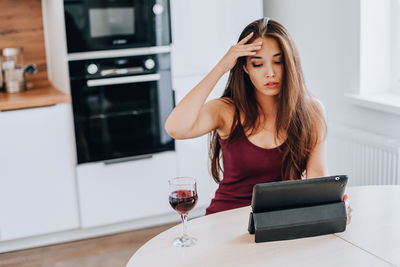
[125,191]
[193,161]
[37,172]
[202,31]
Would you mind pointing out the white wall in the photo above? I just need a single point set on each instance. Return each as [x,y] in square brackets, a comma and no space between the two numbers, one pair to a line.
[327,34]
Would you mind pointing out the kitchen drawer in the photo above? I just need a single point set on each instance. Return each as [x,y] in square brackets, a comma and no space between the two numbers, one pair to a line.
[113,193]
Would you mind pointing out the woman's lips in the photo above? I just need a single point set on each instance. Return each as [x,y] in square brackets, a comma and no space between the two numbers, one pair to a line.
[271,84]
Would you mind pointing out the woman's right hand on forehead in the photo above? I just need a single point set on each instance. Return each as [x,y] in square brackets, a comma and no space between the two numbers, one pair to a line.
[241,49]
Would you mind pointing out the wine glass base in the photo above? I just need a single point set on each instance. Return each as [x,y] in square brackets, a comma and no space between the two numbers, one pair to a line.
[184,241]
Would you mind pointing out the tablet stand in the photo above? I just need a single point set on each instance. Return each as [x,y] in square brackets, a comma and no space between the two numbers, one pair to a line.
[298,222]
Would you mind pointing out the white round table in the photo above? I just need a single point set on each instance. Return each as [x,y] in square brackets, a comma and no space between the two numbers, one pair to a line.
[372,239]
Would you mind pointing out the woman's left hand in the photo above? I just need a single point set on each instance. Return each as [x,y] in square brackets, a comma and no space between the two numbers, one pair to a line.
[349,210]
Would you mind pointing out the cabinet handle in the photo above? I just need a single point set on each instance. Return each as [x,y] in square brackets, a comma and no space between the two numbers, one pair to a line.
[139,157]
[122,80]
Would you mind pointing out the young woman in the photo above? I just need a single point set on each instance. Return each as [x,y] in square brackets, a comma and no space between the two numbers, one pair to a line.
[266,126]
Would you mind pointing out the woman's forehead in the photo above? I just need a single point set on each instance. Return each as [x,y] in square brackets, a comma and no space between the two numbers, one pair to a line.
[270,46]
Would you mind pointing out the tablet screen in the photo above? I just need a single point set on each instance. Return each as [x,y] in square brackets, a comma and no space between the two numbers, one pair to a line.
[298,193]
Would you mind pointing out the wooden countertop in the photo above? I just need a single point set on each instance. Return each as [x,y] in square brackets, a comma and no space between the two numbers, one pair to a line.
[42,94]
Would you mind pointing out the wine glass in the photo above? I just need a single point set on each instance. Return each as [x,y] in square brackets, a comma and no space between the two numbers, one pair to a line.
[183,198]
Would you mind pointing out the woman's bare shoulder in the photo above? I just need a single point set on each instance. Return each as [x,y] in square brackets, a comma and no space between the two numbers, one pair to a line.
[226,108]
[318,105]
[222,104]
[321,118]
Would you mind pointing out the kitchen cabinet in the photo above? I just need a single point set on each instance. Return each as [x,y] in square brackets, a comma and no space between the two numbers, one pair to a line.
[114,193]
[37,172]
[202,31]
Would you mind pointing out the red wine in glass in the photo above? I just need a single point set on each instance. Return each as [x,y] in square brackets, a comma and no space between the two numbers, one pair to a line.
[183,200]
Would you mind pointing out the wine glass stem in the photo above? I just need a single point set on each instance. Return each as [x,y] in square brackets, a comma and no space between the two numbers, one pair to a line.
[184,222]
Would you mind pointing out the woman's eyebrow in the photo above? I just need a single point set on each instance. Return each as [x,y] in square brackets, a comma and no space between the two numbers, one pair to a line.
[278,54]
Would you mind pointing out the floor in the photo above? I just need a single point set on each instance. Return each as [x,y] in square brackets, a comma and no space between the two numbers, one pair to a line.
[113,250]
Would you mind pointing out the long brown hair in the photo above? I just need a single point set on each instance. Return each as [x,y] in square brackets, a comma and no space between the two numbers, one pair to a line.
[298,114]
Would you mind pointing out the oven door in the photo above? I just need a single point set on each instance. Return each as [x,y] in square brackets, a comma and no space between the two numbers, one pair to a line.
[93,25]
[122,117]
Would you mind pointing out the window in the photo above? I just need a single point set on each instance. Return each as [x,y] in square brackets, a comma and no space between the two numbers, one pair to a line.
[395,49]
[379,56]
[375,46]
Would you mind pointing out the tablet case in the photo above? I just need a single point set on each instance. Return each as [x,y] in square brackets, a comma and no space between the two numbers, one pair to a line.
[297,209]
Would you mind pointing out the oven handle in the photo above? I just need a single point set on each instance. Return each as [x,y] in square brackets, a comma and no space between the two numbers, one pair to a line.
[122,80]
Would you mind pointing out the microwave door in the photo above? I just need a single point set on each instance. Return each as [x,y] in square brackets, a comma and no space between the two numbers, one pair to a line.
[96,25]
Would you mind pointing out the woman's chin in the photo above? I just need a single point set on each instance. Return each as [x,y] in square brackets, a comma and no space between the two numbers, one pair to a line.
[268,91]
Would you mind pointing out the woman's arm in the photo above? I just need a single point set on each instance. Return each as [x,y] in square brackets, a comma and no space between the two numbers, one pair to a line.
[317,164]
[191,117]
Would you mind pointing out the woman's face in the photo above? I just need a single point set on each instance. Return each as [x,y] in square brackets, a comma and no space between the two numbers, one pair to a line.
[265,68]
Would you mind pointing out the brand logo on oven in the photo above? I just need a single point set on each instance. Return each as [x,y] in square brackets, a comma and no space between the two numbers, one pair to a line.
[119,41]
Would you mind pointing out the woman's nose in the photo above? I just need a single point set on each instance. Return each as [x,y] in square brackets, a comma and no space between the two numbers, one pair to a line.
[269,72]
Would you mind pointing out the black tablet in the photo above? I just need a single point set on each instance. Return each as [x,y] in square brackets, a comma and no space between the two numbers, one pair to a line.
[298,193]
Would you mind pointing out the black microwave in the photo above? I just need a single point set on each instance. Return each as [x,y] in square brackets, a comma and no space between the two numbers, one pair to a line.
[93,25]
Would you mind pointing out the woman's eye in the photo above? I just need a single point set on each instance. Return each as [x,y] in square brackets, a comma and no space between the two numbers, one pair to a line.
[257,65]
[278,62]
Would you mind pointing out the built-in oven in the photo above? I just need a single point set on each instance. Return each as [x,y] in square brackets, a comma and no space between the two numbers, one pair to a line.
[93,25]
[120,106]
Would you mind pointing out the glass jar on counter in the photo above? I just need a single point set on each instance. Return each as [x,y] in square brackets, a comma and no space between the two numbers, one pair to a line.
[12,58]
[14,70]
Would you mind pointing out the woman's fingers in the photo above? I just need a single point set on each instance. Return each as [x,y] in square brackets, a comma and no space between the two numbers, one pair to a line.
[253,48]
[256,45]
[349,215]
[245,39]
[247,53]
[349,210]
[239,50]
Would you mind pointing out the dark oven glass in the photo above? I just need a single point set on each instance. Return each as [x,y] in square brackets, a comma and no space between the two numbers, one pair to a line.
[123,119]
[112,24]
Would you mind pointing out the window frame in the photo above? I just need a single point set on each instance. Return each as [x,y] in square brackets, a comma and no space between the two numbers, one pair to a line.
[395,46]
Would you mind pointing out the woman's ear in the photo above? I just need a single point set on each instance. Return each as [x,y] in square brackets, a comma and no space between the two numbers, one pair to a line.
[245,69]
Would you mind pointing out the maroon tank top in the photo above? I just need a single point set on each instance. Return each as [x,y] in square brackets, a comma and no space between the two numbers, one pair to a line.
[245,165]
